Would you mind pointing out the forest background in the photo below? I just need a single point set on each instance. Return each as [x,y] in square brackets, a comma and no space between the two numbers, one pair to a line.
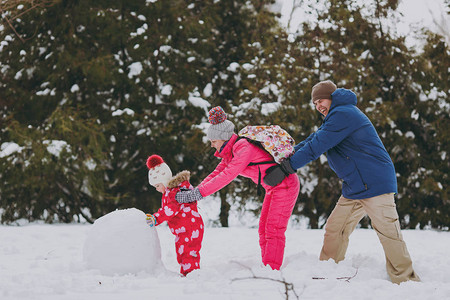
[90,89]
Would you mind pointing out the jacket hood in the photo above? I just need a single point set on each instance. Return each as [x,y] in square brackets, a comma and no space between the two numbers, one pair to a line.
[343,97]
[178,179]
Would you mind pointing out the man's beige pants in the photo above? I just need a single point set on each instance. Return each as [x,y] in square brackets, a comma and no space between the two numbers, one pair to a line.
[383,214]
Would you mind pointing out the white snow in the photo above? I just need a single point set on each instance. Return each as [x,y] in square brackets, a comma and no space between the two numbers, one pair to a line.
[166,90]
[135,69]
[207,91]
[268,108]
[165,48]
[120,112]
[198,101]
[121,242]
[18,75]
[233,67]
[55,147]
[9,148]
[75,88]
[46,262]
[248,67]
[43,93]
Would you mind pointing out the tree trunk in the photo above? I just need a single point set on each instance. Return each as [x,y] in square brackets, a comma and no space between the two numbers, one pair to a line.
[224,208]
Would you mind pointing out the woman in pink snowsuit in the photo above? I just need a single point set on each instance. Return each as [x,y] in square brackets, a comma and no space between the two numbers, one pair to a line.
[236,156]
[183,219]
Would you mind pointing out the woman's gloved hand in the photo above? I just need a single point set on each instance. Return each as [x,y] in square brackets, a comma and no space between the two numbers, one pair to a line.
[188,196]
[277,173]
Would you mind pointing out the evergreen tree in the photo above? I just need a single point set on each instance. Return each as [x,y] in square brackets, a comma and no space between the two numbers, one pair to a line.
[114,82]
[426,169]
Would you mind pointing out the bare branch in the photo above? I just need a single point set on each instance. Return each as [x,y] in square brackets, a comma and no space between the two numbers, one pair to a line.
[442,23]
[345,278]
[13,9]
[11,26]
[287,285]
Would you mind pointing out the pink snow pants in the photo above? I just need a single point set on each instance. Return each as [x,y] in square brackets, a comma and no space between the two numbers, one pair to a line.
[276,211]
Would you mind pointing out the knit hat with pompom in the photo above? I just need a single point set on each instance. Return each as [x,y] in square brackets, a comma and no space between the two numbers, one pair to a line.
[158,170]
[221,128]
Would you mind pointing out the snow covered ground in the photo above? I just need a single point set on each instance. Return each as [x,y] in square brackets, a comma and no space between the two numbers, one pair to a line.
[39,261]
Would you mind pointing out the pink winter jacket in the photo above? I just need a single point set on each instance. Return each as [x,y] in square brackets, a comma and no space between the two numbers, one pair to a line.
[236,155]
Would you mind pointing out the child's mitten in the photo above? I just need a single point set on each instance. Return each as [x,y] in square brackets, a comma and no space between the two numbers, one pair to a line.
[151,220]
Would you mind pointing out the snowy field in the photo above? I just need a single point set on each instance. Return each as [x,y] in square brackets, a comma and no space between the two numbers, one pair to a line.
[39,261]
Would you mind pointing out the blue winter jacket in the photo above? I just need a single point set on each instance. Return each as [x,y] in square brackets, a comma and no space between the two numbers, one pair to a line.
[354,150]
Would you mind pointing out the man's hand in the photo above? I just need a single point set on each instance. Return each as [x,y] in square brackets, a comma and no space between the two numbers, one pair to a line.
[276,174]
[188,196]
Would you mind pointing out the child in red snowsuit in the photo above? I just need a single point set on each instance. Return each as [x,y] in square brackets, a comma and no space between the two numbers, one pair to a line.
[183,219]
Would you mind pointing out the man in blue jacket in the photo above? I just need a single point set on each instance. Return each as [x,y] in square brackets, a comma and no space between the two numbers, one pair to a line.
[357,155]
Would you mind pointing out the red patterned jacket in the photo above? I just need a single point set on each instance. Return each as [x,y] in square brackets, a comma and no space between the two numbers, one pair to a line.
[176,214]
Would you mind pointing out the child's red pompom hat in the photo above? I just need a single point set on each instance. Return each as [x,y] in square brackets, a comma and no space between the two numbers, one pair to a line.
[158,170]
